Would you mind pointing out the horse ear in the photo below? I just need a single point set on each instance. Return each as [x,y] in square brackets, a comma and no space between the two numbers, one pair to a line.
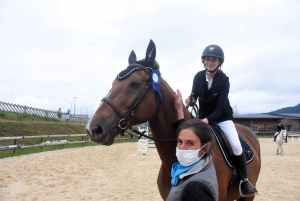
[150,53]
[132,57]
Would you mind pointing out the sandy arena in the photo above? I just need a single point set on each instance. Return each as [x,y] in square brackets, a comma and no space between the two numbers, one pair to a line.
[118,173]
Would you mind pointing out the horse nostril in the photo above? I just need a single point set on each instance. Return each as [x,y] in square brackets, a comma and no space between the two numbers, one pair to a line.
[97,130]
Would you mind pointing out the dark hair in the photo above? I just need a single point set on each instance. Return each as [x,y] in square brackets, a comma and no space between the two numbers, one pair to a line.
[202,130]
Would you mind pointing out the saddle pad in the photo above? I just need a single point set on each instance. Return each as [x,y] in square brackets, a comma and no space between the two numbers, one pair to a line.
[225,150]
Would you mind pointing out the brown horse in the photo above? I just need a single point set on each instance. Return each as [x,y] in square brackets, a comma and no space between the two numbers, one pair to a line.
[139,94]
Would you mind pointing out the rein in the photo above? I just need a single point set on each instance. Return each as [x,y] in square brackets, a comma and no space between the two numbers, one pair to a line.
[142,134]
[194,107]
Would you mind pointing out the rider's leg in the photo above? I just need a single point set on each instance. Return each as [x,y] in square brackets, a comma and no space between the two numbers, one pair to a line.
[247,188]
[239,158]
[275,135]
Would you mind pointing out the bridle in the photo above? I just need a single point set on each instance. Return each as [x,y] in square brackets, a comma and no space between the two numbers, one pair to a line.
[125,117]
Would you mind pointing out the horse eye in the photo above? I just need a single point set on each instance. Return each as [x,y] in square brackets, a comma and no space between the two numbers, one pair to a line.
[135,85]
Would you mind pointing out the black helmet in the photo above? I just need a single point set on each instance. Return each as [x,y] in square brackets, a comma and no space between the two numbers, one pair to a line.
[213,51]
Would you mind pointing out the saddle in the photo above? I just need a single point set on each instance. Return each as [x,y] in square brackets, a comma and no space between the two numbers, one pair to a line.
[226,149]
[227,153]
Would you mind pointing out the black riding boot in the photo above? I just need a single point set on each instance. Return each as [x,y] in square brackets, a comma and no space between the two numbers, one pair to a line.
[286,138]
[275,137]
[247,188]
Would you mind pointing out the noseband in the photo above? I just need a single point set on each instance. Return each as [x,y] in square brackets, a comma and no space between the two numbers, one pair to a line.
[125,117]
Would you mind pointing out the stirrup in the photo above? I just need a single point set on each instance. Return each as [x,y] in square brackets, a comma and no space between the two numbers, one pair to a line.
[240,189]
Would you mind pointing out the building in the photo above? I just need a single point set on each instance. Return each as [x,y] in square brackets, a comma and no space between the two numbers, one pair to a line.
[291,121]
[266,124]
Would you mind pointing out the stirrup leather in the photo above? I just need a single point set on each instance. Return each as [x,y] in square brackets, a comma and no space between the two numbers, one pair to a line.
[240,189]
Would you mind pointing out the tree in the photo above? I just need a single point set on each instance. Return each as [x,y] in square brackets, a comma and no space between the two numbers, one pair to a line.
[235,109]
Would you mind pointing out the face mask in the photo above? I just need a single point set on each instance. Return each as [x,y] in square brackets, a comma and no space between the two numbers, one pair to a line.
[188,157]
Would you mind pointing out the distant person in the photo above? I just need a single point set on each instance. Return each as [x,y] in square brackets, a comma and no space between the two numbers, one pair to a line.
[279,128]
[68,114]
[59,113]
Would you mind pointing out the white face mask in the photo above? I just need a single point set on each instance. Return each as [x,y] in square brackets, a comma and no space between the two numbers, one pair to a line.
[188,157]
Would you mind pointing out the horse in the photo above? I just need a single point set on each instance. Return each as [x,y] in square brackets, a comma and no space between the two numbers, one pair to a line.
[140,94]
[280,140]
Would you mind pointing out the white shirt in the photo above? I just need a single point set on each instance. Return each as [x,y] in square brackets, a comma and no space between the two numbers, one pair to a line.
[208,82]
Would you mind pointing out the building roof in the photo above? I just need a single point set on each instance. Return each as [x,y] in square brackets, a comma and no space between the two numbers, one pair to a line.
[296,115]
[256,116]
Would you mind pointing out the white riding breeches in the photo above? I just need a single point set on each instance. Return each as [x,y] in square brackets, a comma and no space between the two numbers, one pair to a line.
[230,132]
[276,134]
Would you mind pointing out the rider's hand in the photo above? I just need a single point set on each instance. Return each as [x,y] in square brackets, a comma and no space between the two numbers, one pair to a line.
[189,101]
[205,120]
[179,104]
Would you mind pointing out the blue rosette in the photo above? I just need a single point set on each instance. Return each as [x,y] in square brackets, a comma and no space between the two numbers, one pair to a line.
[156,78]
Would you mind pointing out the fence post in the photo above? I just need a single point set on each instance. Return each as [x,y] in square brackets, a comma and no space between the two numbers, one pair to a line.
[41,143]
[15,142]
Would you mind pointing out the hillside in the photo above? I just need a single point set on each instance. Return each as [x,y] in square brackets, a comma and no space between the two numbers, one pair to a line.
[14,124]
[295,109]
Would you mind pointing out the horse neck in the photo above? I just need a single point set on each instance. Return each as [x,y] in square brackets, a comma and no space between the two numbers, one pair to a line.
[162,125]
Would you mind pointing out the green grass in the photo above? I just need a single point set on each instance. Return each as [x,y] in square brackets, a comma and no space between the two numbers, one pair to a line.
[11,116]
[14,124]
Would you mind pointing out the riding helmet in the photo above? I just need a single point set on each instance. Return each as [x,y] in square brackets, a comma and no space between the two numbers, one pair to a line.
[213,51]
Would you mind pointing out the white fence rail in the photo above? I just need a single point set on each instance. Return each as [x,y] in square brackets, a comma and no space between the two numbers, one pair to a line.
[9,107]
[48,142]
[294,135]
[42,144]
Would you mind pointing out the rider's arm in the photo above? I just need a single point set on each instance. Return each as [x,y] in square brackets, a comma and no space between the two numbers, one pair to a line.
[195,89]
[222,102]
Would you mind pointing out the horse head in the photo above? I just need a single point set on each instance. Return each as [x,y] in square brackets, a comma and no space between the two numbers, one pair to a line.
[283,134]
[125,104]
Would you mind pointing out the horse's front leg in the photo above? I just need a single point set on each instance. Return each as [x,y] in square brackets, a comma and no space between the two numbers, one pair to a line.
[164,182]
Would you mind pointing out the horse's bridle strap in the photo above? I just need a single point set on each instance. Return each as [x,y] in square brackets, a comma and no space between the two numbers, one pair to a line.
[124,118]
[142,67]
[106,99]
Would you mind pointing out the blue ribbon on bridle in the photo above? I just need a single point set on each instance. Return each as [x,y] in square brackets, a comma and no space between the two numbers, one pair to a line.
[156,78]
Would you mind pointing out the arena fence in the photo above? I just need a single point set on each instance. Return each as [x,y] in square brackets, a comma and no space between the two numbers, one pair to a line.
[52,142]
[9,107]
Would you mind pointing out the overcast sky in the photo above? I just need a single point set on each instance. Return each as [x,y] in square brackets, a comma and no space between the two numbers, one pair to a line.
[52,51]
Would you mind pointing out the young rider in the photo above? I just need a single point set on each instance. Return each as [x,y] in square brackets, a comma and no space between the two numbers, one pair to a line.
[279,128]
[211,88]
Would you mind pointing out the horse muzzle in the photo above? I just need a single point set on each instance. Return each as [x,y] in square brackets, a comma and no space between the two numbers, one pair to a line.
[98,135]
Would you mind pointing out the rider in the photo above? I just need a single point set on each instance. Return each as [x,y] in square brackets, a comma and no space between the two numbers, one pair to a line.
[211,88]
[279,128]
